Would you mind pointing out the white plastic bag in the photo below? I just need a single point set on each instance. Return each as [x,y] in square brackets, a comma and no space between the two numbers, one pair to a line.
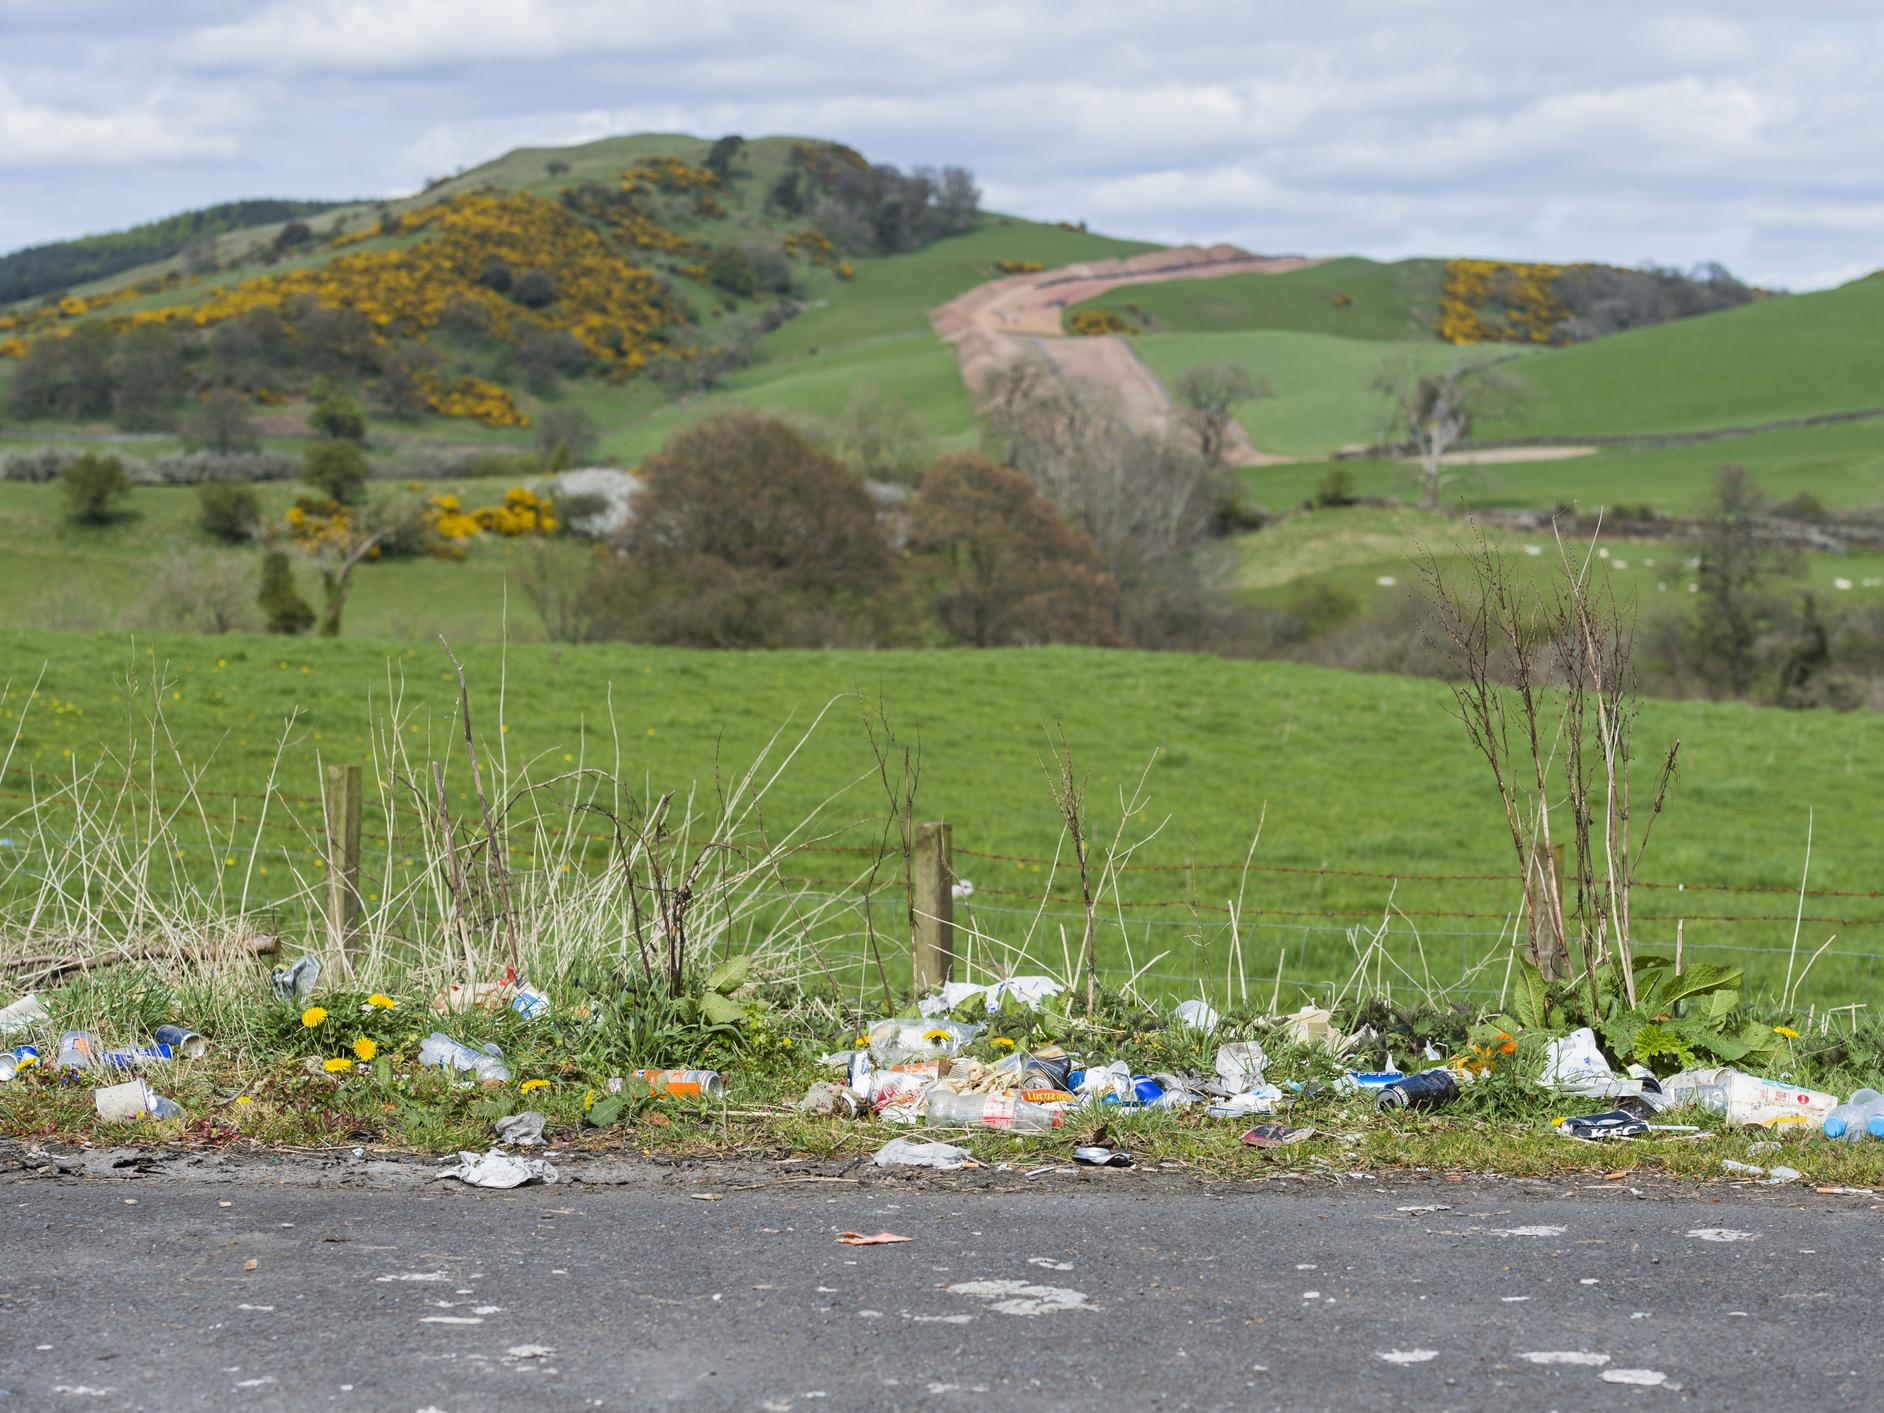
[500,1169]
[907,1153]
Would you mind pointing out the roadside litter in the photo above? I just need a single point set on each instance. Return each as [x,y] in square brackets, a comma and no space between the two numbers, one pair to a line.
[826,1100]
[296,982]
[485,1064]
[1746,1099]
[523,1130]
[1029,991]
[1096,1157]
[682,1084]
[121,1103]
[499,1169]
[1775,1177]
[1860,1116]
[882,1238]
[905,1153]
[20,1057]
[23,1015]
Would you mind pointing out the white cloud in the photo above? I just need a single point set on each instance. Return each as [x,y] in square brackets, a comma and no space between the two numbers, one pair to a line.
[153,128]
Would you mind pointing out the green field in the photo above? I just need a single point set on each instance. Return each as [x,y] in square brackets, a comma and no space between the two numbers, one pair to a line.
[1345,771]
[1322,401]
[1349,298]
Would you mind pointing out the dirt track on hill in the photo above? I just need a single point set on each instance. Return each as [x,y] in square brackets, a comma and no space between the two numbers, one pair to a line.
[993,324]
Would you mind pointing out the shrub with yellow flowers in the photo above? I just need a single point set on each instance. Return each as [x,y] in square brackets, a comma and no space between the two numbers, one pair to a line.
[1019,267]
[1094,323]
[1496,301]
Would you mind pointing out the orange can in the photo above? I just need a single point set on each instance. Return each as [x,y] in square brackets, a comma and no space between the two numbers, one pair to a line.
[684,1084]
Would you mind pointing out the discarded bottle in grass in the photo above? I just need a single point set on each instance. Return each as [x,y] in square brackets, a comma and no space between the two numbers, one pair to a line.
[900,1039]
[684,1084]
[485,1063]
[1003,1111]
[1426,1090]
[1851,1120]
[1748,1099]
[20,1057]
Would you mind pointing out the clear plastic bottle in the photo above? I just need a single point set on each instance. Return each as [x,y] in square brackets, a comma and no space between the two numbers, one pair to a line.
[1003,1111]
[1850,1119]
[485,1064]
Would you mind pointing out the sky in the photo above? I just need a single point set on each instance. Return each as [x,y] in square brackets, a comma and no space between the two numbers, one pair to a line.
[1672,132]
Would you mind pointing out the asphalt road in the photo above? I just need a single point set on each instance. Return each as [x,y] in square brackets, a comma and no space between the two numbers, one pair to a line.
[1112,1291]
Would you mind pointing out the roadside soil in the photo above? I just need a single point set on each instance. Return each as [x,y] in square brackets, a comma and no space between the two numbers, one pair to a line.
[995,323]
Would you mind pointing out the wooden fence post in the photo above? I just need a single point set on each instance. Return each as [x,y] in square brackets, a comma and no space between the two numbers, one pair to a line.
[932,929]
[344,798]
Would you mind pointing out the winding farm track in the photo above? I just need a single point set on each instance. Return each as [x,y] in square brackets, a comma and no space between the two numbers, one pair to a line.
[995,323]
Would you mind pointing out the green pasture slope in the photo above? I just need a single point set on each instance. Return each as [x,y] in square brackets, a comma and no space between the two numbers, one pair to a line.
[1350,297]
[1344,772]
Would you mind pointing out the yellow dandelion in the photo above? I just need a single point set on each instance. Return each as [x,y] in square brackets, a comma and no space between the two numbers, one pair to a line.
[380,1001]
[313,1016]
[530,1086]
[1002,1042]
[863,1040]
[365,1048]
[936,1036]
[245,1099]
[1786,1031]
[338,1065]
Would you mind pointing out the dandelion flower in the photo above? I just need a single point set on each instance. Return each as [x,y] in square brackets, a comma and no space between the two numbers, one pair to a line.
[380,1001]
[1786,1031]
[530,1086]
[937,1036]
[863,1040]
[245,1099]
[1002,1042]
[338,1065]
[365,1048]
[313,1016]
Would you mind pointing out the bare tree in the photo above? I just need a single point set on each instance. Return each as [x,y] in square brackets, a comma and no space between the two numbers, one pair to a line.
[884,437]
[1432,412]
[1210,394]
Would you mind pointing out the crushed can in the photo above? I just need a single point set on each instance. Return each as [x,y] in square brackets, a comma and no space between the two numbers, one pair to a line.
[529,1003]
[684,1084]
[1426,1090]
[182,1041]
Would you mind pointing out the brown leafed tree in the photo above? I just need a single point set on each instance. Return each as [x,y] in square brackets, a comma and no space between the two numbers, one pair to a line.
[1005,569]
[746,535]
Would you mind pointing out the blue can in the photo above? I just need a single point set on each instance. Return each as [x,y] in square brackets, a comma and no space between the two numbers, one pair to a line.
[20,1057]
[1146,1089]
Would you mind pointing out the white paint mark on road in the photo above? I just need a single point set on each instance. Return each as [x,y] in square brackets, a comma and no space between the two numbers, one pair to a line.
[83,1390]
[266,1309]
[255,1383]
[450,1320]
[1566,1356]
[1311,1295]
[1428,1207]
[1642,1378]
[1020,1298]
[494,1309]
[413,1276]
[1406,1356]
[1513,1299]
[1528,1231]
[1720,1234]
[1046,1264]
[938,1319]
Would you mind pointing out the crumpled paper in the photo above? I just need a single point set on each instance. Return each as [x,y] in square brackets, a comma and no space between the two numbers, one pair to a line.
[500,1169]
[523,1130]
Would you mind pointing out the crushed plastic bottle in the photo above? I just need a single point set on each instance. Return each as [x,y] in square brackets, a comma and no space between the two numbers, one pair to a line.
[1851,1120]
[901,1039]
[296,982]
[485,1063]
[1747,1099]
[1002,1111]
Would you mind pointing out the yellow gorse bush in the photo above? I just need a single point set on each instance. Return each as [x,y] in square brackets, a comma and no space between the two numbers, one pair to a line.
[1494,301]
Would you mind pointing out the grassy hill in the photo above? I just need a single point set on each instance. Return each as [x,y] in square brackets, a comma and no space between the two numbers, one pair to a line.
[1345,772]
[1349,297]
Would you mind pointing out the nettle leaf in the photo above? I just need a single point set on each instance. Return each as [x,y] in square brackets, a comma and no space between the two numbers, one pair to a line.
[721,1010]
[1657,984]
[729,975]
[1530,1003]
[604,1112]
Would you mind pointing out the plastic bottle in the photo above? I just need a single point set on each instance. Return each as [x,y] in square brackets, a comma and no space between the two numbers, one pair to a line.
[901,1039]
[1426,1090]
[1003,1111]
[1850,1119]
[485,1063]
